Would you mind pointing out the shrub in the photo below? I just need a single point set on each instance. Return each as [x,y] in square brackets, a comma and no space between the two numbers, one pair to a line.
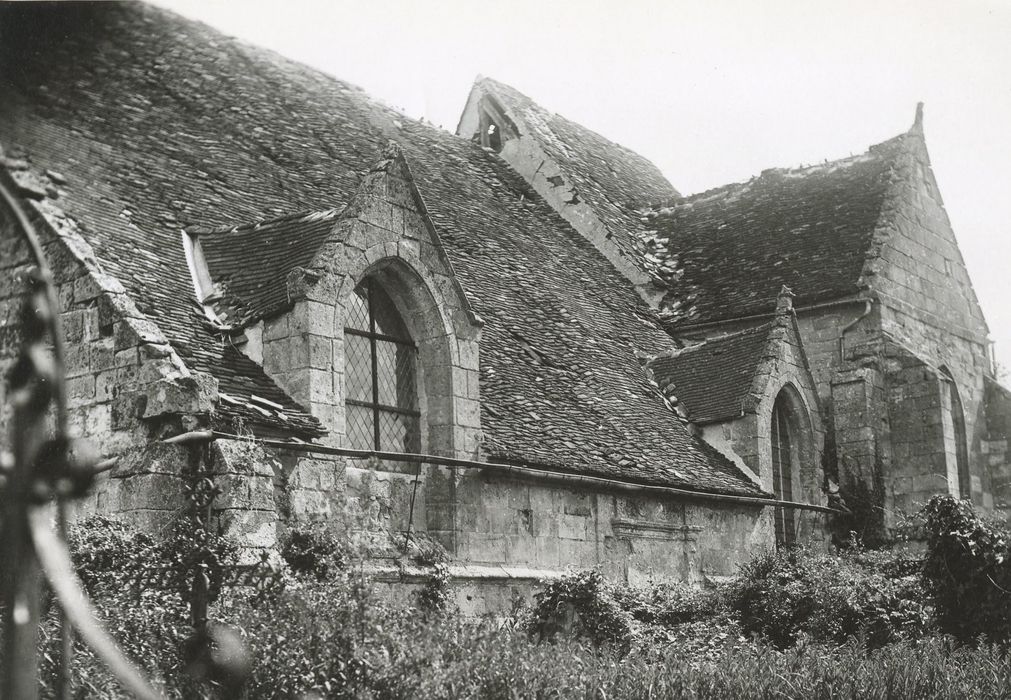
[582,604]
[112,558]
[140,587]
[829,598]
[316,551]
[967,571]
[436,594]
[314,636]
[671,603]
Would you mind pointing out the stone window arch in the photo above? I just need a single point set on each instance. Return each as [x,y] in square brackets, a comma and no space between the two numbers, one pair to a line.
[398,363]
[961,442]
[791,441]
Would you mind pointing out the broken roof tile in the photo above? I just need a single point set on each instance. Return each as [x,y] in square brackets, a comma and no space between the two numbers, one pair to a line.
[268,137]
[724,253]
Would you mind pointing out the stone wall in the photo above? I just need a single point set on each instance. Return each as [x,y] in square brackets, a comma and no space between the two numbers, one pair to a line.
[820,330]
[747,440]
[524,523]
[383,234]
[994,445]
[632,537]
[920,458]
[888,430]
[125,384]
[927,300]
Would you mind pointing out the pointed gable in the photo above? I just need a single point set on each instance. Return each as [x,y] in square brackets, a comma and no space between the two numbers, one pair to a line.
[914,263]
[725,253]
[197,131]
[594,183]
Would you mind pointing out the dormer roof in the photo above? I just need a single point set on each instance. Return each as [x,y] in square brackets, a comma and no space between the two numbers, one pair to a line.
[159,124]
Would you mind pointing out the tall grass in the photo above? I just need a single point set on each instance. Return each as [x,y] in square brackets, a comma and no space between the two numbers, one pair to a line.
[329,635]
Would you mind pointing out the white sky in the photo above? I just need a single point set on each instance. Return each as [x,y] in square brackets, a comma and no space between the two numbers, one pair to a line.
[712,92]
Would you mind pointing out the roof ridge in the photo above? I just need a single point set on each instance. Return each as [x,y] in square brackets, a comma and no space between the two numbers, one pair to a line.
[258,49]
[788,170]
[304,215]
[538,105]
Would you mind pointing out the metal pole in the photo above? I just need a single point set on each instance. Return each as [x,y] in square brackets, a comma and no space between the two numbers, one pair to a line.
[410,516]
[34,434]
[23,581]
[515,469]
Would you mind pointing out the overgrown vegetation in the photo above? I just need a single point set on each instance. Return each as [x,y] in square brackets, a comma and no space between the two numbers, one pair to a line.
[967,571]
[798,624]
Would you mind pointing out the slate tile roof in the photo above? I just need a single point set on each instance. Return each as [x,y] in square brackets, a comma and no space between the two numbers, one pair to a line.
[712,380]
[725,253]
[249,263]
[615,181]
[160,123]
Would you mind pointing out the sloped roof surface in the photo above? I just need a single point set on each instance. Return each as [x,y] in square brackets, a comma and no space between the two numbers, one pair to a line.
[725,253]
[249,264]
[160,123]
[712,380]
[612,179]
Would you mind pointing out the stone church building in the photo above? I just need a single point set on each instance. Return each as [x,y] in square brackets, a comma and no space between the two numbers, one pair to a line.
[519,340]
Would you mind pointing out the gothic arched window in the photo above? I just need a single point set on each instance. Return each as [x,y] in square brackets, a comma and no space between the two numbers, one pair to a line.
[785,453]
[380,374]
[961,444]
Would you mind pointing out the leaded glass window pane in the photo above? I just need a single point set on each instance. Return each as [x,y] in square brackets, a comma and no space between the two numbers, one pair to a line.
[358,367]
[782,471]
[398,432]
[380,365]
[358,310]
[386,372]
[361,427]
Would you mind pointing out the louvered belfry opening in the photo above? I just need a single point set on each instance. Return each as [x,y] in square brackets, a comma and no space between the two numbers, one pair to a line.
[380,371]
[784,451]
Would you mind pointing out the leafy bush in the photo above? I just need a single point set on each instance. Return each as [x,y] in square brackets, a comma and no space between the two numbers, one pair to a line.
[135,585]
[671,603]
[436,594]
[316,551]
[968,571]
[140,587]
[582,604]
[830,598]
[110,557]
[336,637]
[313,636]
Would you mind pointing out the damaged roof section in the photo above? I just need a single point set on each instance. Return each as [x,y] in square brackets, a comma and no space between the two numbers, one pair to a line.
[712,381]
[248,265]
[615,181]
[175,126]
[724,253]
